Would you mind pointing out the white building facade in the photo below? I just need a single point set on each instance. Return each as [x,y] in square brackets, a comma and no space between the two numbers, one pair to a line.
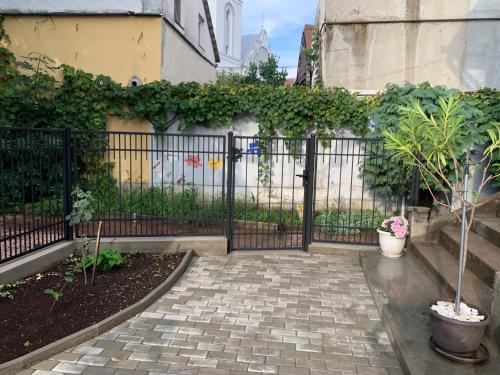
[236,51]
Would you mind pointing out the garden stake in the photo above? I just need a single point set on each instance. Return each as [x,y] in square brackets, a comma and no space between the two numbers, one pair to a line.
[97,242]
[462,240]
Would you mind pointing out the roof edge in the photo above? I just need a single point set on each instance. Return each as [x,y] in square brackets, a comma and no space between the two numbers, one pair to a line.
[211,31]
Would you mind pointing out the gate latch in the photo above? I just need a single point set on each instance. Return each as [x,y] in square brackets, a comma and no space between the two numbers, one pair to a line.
[304,177]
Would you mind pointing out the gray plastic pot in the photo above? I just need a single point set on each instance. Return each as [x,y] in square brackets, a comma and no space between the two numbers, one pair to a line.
[456,336]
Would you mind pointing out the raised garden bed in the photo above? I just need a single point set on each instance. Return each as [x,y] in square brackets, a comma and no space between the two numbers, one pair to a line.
[27,322]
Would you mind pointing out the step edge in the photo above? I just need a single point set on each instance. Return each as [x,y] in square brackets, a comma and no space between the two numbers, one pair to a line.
[450,285]
[491,232]
[487,272]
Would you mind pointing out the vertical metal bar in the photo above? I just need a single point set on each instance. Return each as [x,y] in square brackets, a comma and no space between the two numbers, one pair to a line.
[328,234]
[257,231]
[230,191]
[269,190]
[3,242]
[151,193]
[244,229]
[373,238]
[350,229]
[223,187]
[130,219]
[163,230]
[308,193]
[315,176]
[363,154]
[67,183]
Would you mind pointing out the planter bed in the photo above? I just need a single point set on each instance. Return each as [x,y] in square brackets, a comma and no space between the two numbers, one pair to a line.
[27,324]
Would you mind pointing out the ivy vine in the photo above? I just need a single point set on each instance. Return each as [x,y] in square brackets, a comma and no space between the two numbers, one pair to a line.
[32,96]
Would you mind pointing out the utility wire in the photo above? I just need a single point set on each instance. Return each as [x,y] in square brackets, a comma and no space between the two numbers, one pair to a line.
[247,66]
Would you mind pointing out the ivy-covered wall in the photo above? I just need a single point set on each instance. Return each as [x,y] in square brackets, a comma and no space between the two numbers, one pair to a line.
[32,97]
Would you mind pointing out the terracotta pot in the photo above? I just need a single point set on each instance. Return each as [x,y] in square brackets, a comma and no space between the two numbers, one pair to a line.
[390,245]
[456,336]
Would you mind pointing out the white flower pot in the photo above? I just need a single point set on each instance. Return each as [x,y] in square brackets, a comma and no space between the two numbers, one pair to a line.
[391,246]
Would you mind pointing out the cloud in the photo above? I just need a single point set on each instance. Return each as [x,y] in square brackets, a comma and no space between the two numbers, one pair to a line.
[270,25]
[284,21]
[278,15]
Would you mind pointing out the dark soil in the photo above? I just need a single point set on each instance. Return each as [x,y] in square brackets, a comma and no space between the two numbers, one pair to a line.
[26,322]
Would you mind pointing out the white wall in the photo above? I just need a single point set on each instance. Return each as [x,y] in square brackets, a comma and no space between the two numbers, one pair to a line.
[335,175]
[181,62]
[187,54]
[217,9]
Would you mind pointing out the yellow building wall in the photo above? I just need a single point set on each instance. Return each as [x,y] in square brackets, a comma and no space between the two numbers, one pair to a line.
[130,165]
[118,46]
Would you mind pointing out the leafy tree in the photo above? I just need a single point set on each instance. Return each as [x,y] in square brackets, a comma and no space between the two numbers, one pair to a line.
[270,74]
[432,143]
[265,73]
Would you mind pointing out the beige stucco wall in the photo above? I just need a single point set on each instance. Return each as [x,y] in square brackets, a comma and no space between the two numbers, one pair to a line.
[188,65]
[460,54]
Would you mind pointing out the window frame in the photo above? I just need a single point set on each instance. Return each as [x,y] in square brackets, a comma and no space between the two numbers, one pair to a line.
[201,23]
[177,11]
[228,29]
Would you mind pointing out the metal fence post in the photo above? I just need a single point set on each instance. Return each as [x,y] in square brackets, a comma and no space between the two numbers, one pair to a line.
[309,189]
[229,194]
[67,182]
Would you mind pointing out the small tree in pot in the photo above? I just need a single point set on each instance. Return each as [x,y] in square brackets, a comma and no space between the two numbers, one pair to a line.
[435,144]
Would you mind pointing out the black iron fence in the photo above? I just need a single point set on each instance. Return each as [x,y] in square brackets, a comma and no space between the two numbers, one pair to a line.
[147,184]
[31,190]
[347,207]
[268,193]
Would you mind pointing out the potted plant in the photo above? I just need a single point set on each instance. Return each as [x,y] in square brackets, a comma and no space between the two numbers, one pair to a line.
[437,145]
[392,236]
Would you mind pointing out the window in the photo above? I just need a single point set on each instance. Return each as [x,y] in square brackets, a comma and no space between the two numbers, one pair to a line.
[177,11]
[228,30]
[201,25]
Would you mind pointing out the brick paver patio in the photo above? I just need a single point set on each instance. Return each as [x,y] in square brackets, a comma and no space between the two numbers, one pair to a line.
[242,314]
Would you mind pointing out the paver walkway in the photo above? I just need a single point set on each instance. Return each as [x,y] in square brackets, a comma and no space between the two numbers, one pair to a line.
[241,314]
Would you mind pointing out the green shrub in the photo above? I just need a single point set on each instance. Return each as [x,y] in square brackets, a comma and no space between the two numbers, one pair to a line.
[385,174]
[343,223]
[106,260]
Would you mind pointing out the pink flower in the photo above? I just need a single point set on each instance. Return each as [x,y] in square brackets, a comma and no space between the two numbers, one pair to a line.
[397,225]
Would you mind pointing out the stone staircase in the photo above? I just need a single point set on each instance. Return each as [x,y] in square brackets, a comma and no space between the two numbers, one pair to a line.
[481,286]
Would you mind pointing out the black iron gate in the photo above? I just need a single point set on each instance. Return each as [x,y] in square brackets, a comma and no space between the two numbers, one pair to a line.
[270,192]
[284,193]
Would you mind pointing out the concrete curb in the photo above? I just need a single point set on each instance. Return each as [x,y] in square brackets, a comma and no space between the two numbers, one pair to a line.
[22,266]
[339,248]
[95,330]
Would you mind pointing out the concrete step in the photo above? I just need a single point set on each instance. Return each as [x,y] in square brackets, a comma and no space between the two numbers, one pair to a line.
[402,289]
[490,206]
[483,258]
[444,267]
[488,227]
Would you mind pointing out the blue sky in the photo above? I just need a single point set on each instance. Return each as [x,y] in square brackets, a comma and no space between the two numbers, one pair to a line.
[284,21]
